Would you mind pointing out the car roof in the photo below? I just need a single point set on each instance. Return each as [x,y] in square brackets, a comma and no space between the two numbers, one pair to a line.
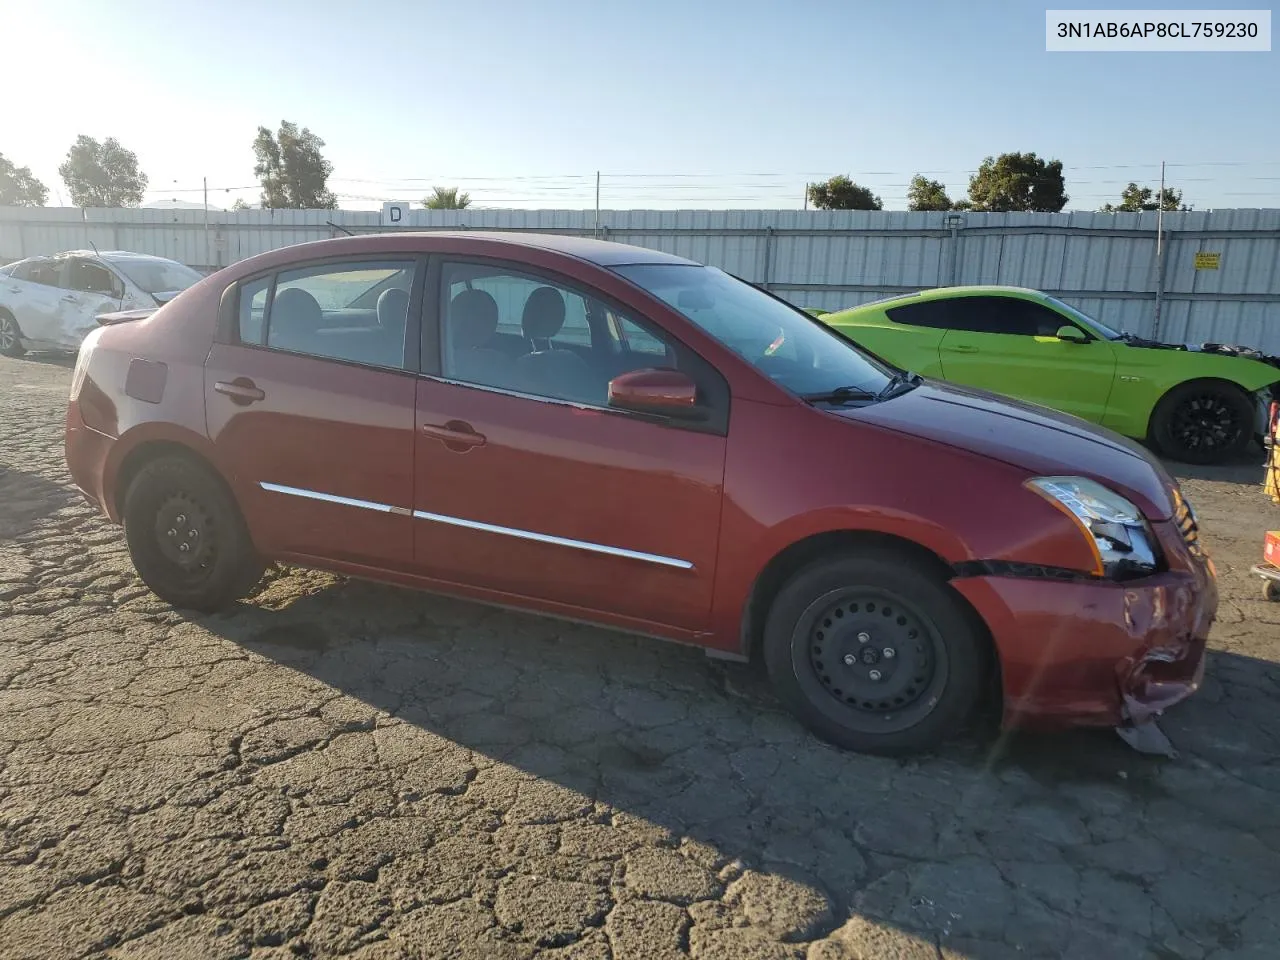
[944,293]
[604,253]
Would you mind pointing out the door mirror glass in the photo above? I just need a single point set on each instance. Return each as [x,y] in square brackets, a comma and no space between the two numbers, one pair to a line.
[1071,333]
[667,392]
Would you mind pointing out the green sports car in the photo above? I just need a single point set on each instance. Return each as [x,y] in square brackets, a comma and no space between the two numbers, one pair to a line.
[1198,404]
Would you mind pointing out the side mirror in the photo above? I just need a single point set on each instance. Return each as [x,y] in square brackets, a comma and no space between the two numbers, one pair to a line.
[1072,334]
[666,392]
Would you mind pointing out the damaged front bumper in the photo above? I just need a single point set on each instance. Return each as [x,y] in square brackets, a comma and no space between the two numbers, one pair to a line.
[1098,653]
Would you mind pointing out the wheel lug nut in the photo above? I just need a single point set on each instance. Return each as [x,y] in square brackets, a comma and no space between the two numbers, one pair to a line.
[182,518]
[874,674]
[850,659]
[889,653]
[864,638]
[173,532]
[184,547]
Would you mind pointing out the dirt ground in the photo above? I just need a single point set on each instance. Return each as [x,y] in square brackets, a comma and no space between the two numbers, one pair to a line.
[340,769]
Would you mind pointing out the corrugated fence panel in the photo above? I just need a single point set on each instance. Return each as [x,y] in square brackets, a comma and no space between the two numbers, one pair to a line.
[1105,264]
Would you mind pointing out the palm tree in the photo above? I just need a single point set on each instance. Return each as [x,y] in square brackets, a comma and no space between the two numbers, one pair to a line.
[446,198]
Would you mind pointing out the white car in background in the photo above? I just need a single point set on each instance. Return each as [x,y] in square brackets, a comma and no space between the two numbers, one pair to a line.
[51,303]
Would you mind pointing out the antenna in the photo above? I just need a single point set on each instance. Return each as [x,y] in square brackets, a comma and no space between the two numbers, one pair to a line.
[95,247]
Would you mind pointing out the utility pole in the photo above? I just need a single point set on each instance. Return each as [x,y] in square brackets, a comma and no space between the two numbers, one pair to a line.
[806,196]
[1155,326]
[208,262]
[595,232]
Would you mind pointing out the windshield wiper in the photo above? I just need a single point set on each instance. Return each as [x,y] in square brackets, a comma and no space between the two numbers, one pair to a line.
[838,394]
[898,382]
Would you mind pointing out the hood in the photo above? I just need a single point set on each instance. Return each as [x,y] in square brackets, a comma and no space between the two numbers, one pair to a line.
[1036,439]
[1218,349]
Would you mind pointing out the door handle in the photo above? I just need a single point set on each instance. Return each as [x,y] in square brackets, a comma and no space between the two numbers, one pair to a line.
[963,348]
[15,289]
[458,435]
[241,390]
[69,298]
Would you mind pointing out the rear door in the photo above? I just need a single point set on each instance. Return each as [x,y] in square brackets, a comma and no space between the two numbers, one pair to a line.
[532,487]
[32,294]
[310,404]
[1010,345]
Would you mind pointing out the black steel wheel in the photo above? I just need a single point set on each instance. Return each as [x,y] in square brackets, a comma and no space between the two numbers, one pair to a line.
[874,652]
[881,662]
[1203,421]
[10,336]
[186,537]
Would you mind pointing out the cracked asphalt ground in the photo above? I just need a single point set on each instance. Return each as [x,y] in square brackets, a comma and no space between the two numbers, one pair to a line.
[342,769]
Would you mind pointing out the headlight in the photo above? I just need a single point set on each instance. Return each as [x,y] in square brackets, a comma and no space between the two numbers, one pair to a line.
[1119,536]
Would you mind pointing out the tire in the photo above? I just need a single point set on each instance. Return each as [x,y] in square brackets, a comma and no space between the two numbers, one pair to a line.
[10,336]
[1271,590]
[929,650]
[1203,422]
[175,502]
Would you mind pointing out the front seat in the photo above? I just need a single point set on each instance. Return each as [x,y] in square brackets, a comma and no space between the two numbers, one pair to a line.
[473,320]
[393,315]
[550,372]
[295,318]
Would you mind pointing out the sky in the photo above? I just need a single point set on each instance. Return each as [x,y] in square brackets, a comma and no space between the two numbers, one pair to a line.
[702,104]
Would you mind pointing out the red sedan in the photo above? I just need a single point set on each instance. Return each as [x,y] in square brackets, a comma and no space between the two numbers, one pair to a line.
[607,433]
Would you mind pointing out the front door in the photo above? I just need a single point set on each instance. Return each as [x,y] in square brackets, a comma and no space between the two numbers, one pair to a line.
[311,409]
[90,289]
[527,483]
[1009,345]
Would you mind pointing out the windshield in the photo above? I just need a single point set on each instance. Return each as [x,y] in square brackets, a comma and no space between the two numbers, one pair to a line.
[1086,320]
[156,275]
[791,348]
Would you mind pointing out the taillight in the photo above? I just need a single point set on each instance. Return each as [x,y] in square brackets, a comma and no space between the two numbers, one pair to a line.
[82,363]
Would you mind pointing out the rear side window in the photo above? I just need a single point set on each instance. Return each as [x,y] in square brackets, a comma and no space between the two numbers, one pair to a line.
[253,310]
[354,311]
[924,313]
[46,272]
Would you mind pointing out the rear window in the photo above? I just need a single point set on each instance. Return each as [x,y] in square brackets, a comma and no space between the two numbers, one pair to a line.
[157,275]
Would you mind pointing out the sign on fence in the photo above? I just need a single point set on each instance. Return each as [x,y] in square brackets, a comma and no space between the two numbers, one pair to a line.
[1208,261]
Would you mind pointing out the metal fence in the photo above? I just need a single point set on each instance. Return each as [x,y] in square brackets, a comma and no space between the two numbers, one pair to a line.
[1217,277]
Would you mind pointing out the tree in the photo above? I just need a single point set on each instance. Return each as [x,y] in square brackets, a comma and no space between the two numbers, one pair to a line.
[1134,199]
[446,198]
[841,193]
[102,174]
[18,188]
[293,172]
[926,194]
[1018,181]
[240,204]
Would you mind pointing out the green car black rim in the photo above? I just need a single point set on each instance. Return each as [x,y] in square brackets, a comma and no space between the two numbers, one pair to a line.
[1205,423]
[870,660]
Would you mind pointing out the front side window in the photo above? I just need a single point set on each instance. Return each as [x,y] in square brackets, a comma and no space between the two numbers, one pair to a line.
[350,311]
[1012,316]
[510,331]
[92,278]
[793,349]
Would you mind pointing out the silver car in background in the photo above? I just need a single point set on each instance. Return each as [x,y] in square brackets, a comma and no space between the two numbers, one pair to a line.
[51,303]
